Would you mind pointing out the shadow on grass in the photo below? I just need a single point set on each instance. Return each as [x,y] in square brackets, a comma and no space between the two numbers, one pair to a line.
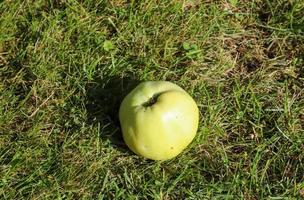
[104,96]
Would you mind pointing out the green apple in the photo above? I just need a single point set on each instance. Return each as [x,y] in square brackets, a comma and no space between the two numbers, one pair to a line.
[158,119]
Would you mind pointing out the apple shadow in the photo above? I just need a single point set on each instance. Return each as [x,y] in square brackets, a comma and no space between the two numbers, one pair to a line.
[104,96]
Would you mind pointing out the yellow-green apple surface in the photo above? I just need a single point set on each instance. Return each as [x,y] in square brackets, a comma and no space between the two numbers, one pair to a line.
[158,119]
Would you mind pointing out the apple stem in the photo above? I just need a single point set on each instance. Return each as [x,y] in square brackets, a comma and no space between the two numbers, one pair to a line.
[151,101]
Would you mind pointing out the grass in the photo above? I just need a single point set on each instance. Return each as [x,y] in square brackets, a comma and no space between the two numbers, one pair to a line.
[66,65]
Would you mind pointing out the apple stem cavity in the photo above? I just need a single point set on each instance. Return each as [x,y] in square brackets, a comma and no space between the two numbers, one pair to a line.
[151,101]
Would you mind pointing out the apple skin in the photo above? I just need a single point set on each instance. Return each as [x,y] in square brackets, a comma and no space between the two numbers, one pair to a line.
[162,129]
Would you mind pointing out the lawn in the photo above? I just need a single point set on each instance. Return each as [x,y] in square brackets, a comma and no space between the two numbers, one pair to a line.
[65,66]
